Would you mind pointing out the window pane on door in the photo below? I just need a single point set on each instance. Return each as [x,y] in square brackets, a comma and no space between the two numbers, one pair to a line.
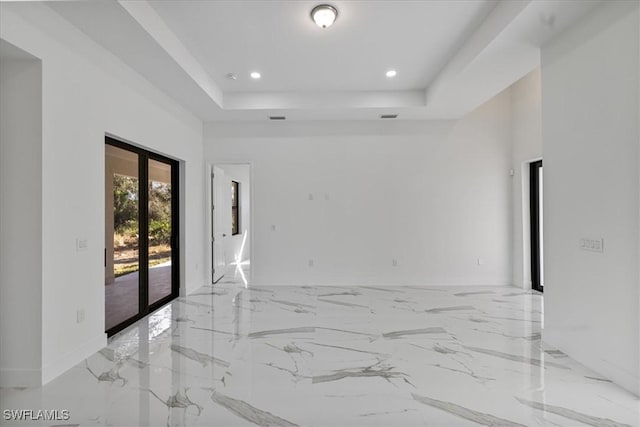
[160,232]
[122,236]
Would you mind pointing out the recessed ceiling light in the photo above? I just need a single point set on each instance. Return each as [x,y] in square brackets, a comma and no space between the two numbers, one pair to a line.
[255,75]
[391,73]
[324,15]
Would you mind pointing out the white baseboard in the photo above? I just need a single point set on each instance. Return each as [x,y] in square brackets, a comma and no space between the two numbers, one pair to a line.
[602,367]
[20,377]
[186,290]
[73,357]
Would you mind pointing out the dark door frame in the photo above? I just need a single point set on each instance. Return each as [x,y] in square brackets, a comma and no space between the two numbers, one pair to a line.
[534,203]
[143,223]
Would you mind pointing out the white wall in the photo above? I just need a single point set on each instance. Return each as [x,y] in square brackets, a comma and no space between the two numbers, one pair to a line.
[526,137]
[20,217]
[434,196]
[590,79]
[87,92]
[233,244]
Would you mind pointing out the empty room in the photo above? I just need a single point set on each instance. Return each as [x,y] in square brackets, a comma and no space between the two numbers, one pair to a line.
[333,214]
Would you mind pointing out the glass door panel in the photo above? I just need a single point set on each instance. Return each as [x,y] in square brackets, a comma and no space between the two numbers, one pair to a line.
[160,230]
[122,254]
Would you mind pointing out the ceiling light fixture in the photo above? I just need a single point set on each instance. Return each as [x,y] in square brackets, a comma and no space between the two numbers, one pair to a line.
[324,15]
[255,75]
[391,73]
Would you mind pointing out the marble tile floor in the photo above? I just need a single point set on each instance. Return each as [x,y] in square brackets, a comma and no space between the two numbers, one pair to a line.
[334,356]
[236,273]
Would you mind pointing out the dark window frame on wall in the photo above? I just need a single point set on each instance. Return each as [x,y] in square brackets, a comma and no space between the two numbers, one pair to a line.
[235,208]
[534,202]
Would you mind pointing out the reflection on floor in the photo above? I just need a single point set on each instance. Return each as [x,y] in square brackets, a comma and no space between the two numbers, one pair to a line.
[237,273]
[121,297]
[336,356]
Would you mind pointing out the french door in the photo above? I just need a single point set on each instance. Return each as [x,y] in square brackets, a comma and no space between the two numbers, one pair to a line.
[141,233]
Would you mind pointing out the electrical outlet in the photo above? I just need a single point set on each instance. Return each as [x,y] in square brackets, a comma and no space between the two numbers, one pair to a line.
[82,244]
[591,244]
[310,263]
[394,262]
[273,227]
[310,196]
[80,315]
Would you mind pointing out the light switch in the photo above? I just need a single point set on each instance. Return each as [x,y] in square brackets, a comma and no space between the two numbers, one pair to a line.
[591,244]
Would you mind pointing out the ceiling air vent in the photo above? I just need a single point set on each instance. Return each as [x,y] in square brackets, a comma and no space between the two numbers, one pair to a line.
[277,118]
[388,116]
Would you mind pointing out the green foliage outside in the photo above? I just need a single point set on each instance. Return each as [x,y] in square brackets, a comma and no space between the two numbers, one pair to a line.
[159,232]
[159,213]
[125,202]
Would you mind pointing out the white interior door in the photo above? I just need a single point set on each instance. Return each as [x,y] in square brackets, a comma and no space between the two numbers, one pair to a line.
[218,231]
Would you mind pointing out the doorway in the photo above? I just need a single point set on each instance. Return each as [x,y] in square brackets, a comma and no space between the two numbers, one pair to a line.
[141,233]
[220,221]
[537,225]
[231,223]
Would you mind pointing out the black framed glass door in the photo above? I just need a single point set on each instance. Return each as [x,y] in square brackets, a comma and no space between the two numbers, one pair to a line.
[141,233]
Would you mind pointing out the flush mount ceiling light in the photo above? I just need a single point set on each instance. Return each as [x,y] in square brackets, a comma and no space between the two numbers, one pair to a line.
[324,15]
[391,73]
[255,75]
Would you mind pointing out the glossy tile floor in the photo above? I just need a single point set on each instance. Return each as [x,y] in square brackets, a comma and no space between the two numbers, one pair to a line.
[335,356]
